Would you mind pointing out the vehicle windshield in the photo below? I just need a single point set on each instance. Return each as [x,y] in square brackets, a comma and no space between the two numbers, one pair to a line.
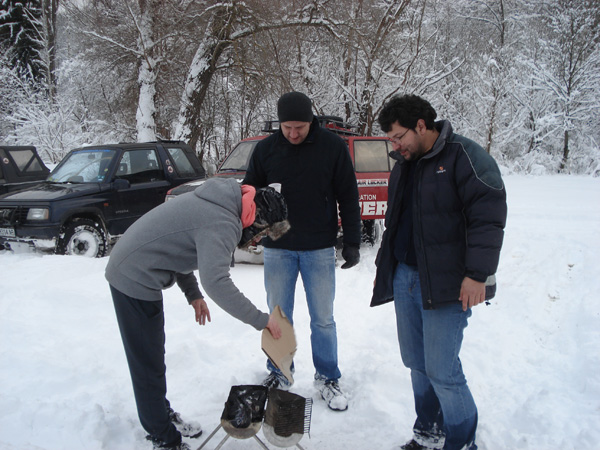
[372,156]
[83,166]
[239,157]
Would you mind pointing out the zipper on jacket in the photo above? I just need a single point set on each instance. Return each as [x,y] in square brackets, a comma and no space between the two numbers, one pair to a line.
[427,303]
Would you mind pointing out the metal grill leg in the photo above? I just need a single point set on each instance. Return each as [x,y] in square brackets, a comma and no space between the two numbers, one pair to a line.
[222,442]
[261,443]
[210,437]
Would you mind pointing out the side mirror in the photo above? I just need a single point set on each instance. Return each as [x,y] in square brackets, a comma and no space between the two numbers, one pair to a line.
[121,184]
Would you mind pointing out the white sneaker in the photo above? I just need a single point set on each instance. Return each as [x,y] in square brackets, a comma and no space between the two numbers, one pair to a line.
[187,429]
[333,395]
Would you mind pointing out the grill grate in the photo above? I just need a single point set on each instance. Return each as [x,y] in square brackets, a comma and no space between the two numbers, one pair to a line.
[287,418]
[288,413]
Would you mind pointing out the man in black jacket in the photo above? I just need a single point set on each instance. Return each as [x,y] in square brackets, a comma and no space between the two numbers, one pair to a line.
[315,171]
[444,230]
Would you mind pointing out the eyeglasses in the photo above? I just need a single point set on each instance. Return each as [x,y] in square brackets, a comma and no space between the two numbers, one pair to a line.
[397,139]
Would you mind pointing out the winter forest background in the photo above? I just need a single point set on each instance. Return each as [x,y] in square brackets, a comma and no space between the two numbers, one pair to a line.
[521,77]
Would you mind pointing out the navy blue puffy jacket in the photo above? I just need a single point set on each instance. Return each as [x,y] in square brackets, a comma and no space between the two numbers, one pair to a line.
[459,214]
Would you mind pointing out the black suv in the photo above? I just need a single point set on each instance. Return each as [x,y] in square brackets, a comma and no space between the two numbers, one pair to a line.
[94,195]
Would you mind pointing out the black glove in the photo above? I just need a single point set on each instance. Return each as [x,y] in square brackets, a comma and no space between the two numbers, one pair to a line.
[351,255]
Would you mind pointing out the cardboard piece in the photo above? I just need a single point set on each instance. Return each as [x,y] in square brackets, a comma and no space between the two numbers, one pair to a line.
[281,351]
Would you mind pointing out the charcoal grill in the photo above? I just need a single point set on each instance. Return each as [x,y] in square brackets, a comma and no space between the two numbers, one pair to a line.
[286,420]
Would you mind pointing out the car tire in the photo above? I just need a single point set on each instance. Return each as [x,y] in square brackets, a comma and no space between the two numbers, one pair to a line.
[372,231]
[83,237]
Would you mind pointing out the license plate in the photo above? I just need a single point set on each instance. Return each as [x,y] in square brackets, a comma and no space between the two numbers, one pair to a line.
[7,232]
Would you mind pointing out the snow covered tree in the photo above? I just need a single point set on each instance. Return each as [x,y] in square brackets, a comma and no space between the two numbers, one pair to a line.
[225,24]
[486,37]
[28,30]
[20,32]
[521,78]
[373,38]
[494,68]
[158,36]
[569,68]
[149,59]
[369,50]
[139,40]
[12,91]
[49,27]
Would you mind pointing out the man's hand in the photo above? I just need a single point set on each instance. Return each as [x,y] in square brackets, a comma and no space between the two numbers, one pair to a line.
[202,312]
[351,255]
[273,327]
[472,293]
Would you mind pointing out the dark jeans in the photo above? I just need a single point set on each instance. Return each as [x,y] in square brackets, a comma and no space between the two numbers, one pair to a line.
[141,324]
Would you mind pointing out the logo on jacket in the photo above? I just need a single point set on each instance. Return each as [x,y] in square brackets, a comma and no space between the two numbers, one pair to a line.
[441,170]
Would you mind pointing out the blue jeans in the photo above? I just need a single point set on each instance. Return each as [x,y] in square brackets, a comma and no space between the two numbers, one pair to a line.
[430,342]
[317,269]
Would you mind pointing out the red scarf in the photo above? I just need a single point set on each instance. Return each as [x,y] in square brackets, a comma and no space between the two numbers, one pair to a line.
[248,205]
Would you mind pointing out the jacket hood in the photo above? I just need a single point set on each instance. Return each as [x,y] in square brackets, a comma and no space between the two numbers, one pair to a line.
[223,192]
[445,129]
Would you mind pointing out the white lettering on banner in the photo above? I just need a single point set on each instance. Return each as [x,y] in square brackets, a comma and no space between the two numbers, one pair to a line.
[368,208]
[372,182]
[373,208]
[364,197]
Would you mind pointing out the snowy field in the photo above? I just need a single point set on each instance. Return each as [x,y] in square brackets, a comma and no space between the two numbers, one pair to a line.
[532,357]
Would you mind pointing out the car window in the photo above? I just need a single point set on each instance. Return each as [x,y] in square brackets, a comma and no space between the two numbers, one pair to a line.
[182,163]
[83,166]
[25,160]
[140,166]
[239,157]
[371,156]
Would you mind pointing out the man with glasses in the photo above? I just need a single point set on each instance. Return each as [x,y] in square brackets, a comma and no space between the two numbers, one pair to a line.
[444,230]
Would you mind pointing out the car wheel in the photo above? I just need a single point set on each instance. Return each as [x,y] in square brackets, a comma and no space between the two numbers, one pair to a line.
[372,231]
[83,237]
[378,228]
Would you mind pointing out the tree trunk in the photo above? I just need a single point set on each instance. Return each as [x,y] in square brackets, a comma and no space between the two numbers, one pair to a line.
[50,9]
[146,109]
[147,73]
[565,158]
[198,81]
[200,74]
[491,123]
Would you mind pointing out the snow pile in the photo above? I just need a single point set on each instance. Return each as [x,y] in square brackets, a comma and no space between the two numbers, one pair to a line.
[532,357]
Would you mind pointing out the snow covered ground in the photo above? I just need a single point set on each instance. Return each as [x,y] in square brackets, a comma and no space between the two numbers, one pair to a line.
[532,358]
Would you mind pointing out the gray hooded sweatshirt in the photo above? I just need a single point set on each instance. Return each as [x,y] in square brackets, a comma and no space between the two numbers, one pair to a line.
[195,231]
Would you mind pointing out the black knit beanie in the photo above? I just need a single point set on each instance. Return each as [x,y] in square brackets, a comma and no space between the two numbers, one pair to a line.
[294,107]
